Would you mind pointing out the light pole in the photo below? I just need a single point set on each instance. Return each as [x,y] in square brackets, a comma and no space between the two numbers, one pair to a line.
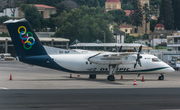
[161,36]
[104,39]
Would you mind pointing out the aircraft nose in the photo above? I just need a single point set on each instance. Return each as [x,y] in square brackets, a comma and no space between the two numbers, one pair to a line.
[171,69]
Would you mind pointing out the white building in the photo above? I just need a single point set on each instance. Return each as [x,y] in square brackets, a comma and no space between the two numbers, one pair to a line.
[173,42]
[8,12]
[156,42]
[119,38]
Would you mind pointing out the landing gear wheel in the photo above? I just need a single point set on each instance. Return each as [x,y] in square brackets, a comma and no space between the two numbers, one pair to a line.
[161,77]
[111,78]
[92,76]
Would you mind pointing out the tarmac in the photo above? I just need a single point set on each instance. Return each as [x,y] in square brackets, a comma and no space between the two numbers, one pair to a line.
[34,87]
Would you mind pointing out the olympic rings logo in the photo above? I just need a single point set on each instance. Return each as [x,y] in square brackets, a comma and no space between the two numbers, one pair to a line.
[26,37]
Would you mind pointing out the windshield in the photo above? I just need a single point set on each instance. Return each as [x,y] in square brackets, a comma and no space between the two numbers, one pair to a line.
[156,60]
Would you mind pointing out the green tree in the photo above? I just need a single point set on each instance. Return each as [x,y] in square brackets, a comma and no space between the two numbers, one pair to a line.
[126,4]
[146,15]
[130,39]
[23,6]
[3,19]
[34,17]
[166,14]
[176,8]
[45,2]
[153,24]
[137,14]
[155,2]
[96,3]
[85,24]
[120,17]
[90,3]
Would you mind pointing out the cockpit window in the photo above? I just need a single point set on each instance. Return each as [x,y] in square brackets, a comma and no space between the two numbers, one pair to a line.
[156,60]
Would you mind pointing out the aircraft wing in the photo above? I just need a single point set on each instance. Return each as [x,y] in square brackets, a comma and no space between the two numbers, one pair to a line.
[113,58]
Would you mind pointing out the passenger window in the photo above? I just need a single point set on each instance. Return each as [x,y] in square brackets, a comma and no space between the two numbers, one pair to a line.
[156,60]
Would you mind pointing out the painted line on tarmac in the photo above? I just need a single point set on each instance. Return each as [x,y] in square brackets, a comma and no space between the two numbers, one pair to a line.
[4,88]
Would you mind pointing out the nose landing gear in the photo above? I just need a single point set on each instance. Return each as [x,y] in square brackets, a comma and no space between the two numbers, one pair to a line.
[161,77]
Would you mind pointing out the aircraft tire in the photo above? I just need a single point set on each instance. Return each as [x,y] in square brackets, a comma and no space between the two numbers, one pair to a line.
[92,76]
[110,78]
[161,77]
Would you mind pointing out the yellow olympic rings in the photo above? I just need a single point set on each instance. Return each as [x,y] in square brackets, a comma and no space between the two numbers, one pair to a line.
[25,30]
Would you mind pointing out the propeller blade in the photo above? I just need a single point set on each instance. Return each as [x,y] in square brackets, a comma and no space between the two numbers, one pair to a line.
[120,48]
[140,48]
[116,48]
[135,65]
[135,49]
[139,62]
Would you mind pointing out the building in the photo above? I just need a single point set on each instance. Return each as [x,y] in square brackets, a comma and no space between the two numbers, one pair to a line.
[126,29]
[8,12]
[173,42]
[3,28]
[107,46]
[116,5]
[156,42]
[119,36]
[159,26]
[45,10]
[112,5]
[6,45]
[160,33]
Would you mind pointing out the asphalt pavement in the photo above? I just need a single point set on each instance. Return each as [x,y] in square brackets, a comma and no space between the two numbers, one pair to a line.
[36,88]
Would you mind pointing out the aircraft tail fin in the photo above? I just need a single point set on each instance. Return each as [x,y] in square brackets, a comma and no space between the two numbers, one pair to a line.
[25,41]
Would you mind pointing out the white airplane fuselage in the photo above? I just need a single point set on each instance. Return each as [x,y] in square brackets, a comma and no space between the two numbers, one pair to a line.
[79,63]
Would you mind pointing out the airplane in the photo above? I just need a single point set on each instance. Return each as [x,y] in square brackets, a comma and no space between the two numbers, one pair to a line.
[30,50]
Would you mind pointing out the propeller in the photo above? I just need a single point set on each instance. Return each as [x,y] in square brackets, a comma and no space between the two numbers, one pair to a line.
[116,48]
[138,57]
[135,49]
[120,49]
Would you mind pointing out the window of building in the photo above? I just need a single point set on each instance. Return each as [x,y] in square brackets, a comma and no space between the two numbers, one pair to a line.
[126,30]
[50,12]
[109,6]
[114,6]
[136,30]
[42,13]
[24,14]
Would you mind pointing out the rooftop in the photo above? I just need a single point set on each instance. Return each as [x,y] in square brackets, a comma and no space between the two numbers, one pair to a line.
[113,1]
[44,6]
[123,26]
[159,25]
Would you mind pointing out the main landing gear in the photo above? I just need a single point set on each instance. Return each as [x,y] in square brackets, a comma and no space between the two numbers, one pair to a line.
[92,76]
[161,77]
[111,78]
[112,71]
